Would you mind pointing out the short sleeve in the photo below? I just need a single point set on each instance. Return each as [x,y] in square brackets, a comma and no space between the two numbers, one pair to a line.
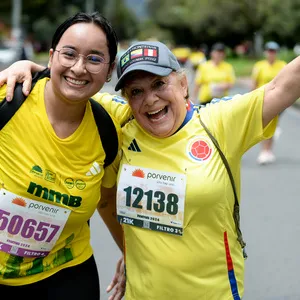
[237,122]
[115,105]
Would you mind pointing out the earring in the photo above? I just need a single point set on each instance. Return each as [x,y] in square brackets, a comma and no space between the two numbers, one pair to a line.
[108,78]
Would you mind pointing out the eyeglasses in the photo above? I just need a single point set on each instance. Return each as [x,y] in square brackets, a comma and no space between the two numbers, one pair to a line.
[68,57]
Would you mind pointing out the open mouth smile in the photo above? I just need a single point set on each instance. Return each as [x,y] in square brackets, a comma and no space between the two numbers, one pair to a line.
[158,114]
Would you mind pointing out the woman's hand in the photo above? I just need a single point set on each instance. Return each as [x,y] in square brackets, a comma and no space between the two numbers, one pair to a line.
[19,71]
[119,282]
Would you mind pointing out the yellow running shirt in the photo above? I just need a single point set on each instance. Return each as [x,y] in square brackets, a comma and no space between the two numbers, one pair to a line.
[263,71]
[50,189]
[209,75]
[180,185]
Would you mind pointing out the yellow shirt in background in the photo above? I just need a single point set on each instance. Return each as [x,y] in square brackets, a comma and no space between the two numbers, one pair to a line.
[209,75]
[263,71]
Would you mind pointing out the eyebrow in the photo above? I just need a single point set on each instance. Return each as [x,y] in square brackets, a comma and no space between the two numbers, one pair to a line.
[93,51]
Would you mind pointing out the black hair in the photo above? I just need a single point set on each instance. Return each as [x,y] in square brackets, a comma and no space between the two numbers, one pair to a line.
[95,18]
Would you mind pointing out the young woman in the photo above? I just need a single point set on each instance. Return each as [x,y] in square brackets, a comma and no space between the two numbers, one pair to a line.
[52,169]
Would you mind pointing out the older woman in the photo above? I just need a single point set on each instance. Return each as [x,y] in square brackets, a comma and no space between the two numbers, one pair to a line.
[175,199]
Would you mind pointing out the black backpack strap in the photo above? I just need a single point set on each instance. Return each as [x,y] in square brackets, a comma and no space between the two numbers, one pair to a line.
[107,131]
[8,109]
[106,126]
[236,209]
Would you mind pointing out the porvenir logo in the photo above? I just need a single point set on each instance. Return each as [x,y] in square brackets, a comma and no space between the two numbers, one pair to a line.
[19,201]
[199,149]
[138,173]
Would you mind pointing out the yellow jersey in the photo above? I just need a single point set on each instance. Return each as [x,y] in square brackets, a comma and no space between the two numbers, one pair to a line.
[50,187]
[182,241]
[263,71]
[209,75]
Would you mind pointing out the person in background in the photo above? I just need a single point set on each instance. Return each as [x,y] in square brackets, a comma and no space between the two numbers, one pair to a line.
[215,77]
[263,72]
[52,173]
[175,199]
[197,57]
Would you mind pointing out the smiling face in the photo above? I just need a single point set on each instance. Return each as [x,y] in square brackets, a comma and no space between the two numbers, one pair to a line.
[76,84]
[158,103]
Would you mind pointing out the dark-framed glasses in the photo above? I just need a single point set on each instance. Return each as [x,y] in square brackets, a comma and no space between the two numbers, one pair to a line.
[69,57]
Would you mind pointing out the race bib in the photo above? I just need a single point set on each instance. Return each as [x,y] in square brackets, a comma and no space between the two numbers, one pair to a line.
[151,199]
[29,228]
[216,91]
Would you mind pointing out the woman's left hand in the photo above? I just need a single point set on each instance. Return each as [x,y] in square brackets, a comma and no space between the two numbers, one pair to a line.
[119,282]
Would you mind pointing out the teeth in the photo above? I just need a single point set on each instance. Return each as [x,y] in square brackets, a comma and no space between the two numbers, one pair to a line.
[78,82]
[155,112]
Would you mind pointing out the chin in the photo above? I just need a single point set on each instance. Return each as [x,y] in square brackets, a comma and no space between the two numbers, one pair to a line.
[76,98]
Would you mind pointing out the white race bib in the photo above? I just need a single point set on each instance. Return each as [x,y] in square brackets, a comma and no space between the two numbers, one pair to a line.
[29,228]
[151,199]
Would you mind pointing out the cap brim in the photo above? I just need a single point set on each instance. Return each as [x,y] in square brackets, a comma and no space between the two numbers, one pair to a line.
[161,71]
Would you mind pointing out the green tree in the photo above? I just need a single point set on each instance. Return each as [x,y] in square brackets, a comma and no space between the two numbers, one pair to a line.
[122,18]
[231,21]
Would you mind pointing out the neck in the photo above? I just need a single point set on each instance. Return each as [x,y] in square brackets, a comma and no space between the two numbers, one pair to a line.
[189,114]
[64,116]
[60,109]
[216,62]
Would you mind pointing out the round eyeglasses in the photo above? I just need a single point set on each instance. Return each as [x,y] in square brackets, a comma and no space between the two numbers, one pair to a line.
[68,57]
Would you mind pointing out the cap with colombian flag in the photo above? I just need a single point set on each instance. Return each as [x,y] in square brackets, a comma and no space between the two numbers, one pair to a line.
[150,56]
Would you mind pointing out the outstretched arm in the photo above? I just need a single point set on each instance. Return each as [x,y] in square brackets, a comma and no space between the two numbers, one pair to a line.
[19,71]
[282,91]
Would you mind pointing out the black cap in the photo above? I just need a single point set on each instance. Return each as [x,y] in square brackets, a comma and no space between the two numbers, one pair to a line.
[218,47]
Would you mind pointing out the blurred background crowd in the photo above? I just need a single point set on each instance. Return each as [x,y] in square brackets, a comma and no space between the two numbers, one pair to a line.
[189,27]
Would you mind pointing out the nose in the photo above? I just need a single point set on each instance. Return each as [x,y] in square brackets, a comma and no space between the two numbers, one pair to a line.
[151,97]
[80,66]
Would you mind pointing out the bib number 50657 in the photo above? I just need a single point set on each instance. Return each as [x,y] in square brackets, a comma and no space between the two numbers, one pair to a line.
[27,228]
[161,201]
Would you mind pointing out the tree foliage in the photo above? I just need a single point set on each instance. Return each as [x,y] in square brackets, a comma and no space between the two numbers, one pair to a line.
[194,21]
[188,22]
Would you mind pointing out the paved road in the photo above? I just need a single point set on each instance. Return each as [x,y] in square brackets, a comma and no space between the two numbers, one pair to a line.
[269,218]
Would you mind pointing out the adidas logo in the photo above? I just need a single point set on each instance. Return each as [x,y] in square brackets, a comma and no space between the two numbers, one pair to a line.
[94,170]
[134,146]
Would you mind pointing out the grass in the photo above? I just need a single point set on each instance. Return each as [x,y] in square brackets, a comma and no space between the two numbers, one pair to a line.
[243,65]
